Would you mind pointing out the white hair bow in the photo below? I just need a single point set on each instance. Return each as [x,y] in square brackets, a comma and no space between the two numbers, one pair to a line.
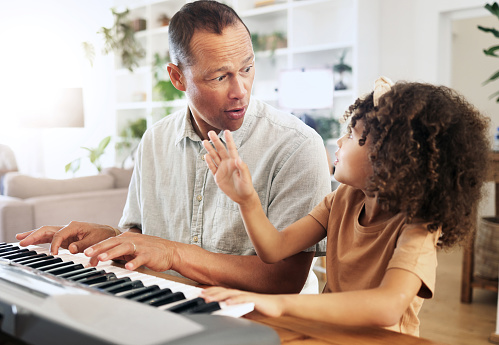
[381,86]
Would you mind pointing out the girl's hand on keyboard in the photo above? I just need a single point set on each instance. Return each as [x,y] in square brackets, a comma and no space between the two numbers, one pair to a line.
[269,305]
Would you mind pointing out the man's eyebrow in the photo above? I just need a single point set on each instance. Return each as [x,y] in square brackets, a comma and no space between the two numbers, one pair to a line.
[225,68]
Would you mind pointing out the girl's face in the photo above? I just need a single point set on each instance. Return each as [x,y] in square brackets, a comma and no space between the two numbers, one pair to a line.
[352,165]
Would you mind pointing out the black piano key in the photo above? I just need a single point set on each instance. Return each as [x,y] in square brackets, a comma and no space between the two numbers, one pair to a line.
[139,291]
[4,245]
[151,294]
[126,286]
[8,251]
[13,252]
[84,275]
[42,263]
[56,265]
[159,301]
[77,272]
[22,254]
[106,284]
[205,308]
[32,254]
[187,305]
[35,258]
[65,269]
[104,277]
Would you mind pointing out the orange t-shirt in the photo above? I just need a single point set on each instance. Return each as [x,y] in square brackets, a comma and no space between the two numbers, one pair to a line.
[358,257]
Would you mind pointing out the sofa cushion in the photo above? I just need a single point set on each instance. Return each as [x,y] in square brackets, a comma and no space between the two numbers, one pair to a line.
[121,176]
[102,207]
[15,216]
[24,186]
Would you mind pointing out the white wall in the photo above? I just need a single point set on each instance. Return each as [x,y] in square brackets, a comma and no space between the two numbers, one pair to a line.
[409,36]
[418,42]
[41,48]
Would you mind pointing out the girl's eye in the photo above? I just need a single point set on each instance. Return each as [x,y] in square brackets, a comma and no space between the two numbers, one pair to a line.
[350,136]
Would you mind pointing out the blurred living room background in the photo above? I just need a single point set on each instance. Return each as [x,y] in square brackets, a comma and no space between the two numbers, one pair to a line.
[60,49]
[43,52]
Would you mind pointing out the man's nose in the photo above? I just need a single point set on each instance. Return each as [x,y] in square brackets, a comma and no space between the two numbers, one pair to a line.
[238,88]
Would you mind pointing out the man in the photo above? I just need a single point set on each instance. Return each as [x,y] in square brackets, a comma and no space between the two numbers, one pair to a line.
[177,217]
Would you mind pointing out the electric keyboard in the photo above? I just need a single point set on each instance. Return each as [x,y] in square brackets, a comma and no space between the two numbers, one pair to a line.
[57,299]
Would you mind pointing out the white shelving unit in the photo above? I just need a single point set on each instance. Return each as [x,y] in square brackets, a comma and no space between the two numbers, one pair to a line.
[317,33]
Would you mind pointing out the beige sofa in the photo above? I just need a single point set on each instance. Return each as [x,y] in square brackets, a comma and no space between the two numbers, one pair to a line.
[30,202]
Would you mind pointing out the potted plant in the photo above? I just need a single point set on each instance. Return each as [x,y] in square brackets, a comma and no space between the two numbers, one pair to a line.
[130,139]
[492,51]
[94,155]
[120,38]
[340,68]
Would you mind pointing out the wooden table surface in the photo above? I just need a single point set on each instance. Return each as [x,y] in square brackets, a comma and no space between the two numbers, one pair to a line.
[294,331]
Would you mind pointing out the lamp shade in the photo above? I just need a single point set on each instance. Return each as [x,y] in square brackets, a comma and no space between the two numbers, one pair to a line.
[306,89]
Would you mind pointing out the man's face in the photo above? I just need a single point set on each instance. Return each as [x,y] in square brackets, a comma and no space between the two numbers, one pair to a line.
[218,85]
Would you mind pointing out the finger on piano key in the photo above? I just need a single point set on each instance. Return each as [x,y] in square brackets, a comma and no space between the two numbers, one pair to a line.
[234,310]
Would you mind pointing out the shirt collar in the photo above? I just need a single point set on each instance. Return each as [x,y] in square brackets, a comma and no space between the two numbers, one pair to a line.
[186,129]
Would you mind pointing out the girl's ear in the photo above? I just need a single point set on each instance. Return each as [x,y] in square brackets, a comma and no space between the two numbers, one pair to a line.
[176,76]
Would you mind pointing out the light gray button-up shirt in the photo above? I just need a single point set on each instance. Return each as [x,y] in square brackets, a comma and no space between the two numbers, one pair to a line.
[173,194]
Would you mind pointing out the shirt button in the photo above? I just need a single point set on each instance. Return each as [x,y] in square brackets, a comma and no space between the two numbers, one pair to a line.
[199,197]
[195,239]
[202,157]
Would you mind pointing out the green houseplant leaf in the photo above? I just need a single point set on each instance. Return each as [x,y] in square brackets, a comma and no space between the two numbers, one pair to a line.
[492,78]
[491,51]
[494,10]
[94,155]
[120,38]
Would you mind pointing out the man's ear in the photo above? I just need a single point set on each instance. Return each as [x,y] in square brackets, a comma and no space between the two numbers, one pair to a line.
[176,76]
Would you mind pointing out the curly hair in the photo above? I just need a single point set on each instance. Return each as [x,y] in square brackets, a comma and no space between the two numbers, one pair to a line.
[429,155]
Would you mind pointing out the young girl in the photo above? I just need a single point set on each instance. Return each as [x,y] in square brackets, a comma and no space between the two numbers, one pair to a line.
[412,166]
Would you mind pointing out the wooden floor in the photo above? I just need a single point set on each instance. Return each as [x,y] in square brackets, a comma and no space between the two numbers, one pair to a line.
[445,319]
